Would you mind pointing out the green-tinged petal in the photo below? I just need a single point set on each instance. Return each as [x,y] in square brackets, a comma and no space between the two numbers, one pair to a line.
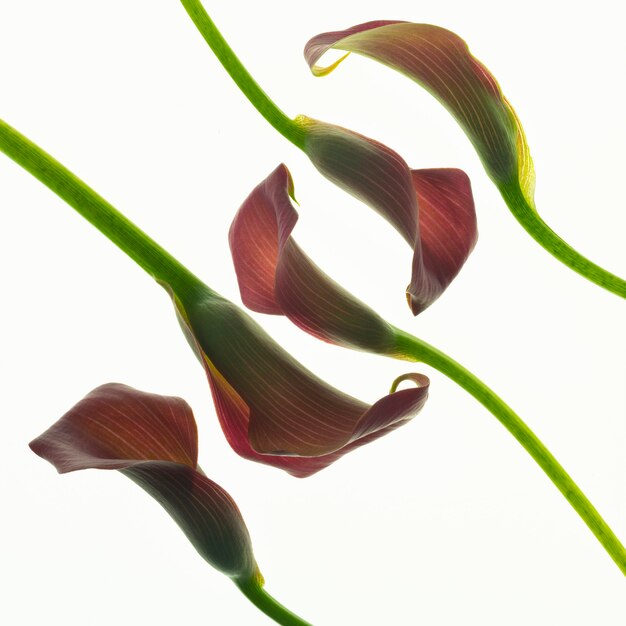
[153,440]
[271,408]
[432,209]
[441,62]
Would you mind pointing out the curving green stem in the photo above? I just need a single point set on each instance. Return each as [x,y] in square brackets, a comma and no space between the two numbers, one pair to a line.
[263,103]
[95,209]
[415,349]
[162,266]
[532,223]
[525,214]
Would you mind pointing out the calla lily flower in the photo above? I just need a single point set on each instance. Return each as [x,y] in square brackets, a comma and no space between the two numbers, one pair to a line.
[153,440]
[276,277]
[441,62]
[272,409]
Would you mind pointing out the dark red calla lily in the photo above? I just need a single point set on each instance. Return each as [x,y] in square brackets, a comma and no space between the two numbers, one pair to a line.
[440,61]
[275,276]
[272,409]
[153,440]
[432,208]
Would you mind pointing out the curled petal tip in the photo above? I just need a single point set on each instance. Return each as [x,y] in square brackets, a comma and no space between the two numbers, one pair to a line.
[420,381]
[317,46]
[319,70]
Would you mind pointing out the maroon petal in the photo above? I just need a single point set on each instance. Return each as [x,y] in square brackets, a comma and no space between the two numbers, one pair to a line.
[447,231]
[271,408]
[382,418]
[153,440]
[317,46]
[115,425]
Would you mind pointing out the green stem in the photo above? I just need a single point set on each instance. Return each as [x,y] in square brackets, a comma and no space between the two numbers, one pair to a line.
[264,602]
[121,231]
[417,350]
[263,103]
[528,217]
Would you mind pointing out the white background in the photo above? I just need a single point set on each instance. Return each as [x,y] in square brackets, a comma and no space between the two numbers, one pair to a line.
[446,522]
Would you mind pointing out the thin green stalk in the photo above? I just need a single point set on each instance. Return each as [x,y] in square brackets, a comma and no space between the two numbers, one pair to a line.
[263,103]
[266,603]
[528,217]
[94,208]
[415,349]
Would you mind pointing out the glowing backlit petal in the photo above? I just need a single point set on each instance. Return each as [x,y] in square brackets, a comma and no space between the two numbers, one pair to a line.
[275,276]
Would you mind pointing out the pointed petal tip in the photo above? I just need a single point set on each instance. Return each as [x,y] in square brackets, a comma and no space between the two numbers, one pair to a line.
[417,305]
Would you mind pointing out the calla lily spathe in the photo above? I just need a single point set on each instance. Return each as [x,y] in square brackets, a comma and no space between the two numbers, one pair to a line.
[272,409]
[440,61]
[276,277]
[153,440]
